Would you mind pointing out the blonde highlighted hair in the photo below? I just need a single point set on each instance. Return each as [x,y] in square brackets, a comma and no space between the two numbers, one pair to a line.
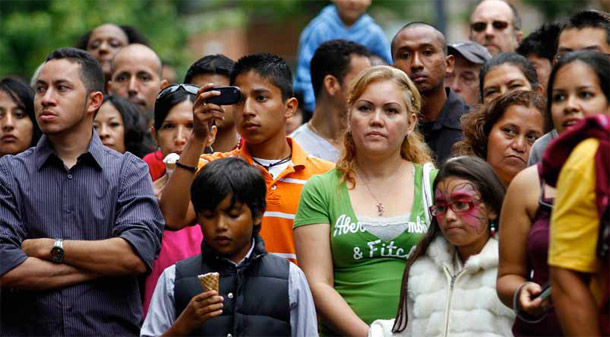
[413,147]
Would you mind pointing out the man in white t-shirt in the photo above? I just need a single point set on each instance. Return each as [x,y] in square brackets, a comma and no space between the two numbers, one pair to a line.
[333,66]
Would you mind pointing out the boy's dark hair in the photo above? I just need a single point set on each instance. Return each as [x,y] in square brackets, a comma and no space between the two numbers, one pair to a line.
[492,191]
[90,70]
[513,59]
[599,64]
[590,19]
[211,64]
[333,58]
[133,36]
[23,96]
[542,42]
[229,177]
[268,66]
[134,124]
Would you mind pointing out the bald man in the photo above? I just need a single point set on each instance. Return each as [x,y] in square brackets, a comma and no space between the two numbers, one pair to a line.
[420,50]
[137,76]
[496,25]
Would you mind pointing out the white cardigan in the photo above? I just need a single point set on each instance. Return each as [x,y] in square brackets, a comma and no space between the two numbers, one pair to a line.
[443,303]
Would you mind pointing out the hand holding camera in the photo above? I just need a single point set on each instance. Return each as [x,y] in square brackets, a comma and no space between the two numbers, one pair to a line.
[207,106]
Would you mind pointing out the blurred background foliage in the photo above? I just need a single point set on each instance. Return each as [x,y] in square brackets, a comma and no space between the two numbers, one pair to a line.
[30,29]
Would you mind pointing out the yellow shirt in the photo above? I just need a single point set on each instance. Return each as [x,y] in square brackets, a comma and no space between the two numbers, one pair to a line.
[575,220]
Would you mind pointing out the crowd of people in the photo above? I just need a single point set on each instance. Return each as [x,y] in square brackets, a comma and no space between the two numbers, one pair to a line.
[412,187]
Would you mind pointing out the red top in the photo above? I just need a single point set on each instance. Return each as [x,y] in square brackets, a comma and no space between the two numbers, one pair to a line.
[156,166]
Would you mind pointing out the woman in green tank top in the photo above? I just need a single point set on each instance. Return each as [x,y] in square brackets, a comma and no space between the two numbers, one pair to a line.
[357,224]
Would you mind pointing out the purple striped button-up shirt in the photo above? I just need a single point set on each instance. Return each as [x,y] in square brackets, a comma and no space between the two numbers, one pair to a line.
[105,195]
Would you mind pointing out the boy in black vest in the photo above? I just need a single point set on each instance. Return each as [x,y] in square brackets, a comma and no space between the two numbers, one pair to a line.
[259,294]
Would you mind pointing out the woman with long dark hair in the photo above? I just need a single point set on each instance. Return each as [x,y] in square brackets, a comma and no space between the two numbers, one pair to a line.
[18,127]
[120,126]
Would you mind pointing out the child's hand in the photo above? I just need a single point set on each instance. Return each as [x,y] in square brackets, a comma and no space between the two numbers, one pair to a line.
[529,304]
[201,308]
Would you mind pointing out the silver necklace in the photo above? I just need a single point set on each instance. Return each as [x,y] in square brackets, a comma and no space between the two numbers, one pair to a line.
[379,205]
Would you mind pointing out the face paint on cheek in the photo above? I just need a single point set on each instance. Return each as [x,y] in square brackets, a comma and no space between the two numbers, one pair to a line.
[474,217]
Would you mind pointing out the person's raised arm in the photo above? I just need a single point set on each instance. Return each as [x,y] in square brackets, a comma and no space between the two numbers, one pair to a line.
[175,198]
[313,250]
[518,210]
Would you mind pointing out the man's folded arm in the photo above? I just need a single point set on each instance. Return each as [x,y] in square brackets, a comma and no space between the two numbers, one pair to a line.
[36,274]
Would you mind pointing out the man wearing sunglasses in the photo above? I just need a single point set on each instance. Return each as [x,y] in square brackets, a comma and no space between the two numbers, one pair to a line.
[496,25]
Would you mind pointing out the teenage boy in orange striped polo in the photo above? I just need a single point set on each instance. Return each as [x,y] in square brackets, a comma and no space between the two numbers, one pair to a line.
[266,84]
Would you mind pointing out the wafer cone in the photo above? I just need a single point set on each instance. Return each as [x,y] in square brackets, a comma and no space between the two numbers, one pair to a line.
[209,281]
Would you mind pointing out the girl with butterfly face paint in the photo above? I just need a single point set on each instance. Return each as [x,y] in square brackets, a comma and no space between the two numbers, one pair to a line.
[462,216]
[449,284]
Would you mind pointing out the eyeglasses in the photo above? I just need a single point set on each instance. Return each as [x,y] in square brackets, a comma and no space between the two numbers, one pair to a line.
[458,207]
[481,26]
[193,89]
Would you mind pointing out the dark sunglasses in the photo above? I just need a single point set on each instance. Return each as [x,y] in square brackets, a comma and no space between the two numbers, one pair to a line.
[193,89]
[458,207]
[481,26]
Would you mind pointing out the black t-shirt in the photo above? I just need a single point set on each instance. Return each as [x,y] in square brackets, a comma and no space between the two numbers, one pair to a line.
[441,134]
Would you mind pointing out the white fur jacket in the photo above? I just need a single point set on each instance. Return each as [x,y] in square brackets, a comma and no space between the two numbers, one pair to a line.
[470,307]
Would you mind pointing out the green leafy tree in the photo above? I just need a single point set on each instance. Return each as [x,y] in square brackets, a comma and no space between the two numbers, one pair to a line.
[29,30]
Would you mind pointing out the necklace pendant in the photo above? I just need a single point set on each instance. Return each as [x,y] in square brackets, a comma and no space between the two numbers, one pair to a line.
[380,209]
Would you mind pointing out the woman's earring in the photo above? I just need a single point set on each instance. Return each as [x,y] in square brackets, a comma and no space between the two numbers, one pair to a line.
[492,228]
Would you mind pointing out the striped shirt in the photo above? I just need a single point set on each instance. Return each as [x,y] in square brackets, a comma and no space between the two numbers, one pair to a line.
[283,195]
[105,195]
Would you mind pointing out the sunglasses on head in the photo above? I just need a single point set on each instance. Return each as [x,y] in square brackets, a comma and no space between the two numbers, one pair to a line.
[481,26]
[172,88]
